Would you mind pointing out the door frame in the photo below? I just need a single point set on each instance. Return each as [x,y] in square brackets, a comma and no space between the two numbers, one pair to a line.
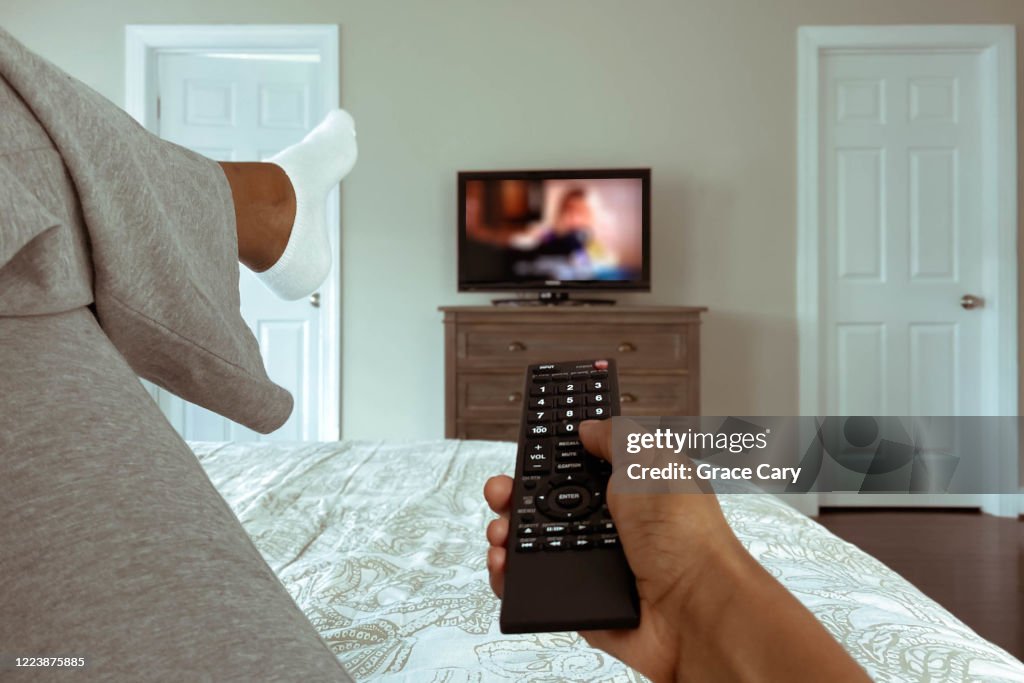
[997,46]
[144,43]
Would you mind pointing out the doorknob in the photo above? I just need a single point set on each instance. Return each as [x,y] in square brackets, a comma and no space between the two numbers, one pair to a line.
[314,299]
[969,301]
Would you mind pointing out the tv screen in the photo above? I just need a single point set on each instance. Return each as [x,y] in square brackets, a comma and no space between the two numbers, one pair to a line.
[522,230]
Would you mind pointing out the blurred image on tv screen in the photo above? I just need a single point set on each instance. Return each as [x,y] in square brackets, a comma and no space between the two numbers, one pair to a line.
[565,229]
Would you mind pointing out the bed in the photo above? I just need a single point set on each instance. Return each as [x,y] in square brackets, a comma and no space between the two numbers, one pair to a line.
[382,545]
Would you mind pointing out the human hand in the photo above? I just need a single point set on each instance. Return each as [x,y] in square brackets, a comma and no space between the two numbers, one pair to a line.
[674,544]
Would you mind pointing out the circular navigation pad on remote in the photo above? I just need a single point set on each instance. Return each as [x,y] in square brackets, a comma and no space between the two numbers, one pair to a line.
[568,497]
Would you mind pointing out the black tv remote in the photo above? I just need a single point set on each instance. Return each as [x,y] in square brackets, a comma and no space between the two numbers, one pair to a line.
[565,569]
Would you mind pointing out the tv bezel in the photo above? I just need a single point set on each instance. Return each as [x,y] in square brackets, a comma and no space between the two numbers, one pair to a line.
[641,285]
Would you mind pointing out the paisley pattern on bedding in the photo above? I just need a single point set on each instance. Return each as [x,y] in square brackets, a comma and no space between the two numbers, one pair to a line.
[382,545]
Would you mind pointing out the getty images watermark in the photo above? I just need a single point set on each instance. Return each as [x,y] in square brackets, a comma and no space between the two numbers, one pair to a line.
[859,454]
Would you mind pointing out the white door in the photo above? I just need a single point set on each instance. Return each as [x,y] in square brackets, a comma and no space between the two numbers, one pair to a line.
[247,107]
[902,209]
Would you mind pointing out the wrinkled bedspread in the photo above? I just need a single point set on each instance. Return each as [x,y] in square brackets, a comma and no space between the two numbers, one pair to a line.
[382,545]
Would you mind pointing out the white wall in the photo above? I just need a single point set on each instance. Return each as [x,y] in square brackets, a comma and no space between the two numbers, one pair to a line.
[703,91]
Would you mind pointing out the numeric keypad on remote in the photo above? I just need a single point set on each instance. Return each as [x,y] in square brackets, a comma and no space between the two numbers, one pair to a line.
[566,483]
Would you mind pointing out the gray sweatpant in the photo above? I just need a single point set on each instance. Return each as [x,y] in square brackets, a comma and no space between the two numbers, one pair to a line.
[118,259]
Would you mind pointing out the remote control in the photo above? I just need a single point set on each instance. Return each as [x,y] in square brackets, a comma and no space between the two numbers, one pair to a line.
[565,569]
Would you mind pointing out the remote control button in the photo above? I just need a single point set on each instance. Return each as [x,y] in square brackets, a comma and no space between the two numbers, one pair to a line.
[608,541]
[529,484]
[571,454]
[555,544]
[540,415]
[571,388]
[579,374]
[543,402]
[600,365]
[541,379]
[568,427]
[542,389]
[568,467]
[596,385]
[544,369]
[556,529]
[528,545]
[605,512]
[526,518]
[537,462]
[581,543]
[597,413]
[528,530]
[597,399]
[596,374]
[564,444]
[570,400]
[538,447]
[581,527]
[539,430]
[559,514]
[570,414]
[560,376]
[561,479]
[569,498]
[607,527]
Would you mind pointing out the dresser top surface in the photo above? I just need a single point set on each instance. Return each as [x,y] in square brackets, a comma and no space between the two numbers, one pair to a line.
[561,310]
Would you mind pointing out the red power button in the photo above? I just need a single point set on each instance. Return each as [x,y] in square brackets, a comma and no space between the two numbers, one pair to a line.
[600,365]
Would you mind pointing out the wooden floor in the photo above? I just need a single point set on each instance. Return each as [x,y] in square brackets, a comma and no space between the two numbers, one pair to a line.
[971,564]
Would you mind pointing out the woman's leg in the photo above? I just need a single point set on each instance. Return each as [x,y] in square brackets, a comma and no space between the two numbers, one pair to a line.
[114,544]
[280,207]
[163,247]
[264,211]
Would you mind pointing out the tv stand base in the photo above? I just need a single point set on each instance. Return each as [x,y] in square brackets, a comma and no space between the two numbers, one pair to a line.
[553,299]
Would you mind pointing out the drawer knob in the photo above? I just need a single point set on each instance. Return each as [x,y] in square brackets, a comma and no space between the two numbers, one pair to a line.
[627,398]
[516,346]
[627,347]
[515,397]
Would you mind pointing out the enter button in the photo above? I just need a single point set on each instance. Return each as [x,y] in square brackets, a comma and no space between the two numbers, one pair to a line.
[570,498]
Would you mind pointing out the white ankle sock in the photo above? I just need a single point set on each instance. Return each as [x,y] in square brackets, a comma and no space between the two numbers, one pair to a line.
[314,166]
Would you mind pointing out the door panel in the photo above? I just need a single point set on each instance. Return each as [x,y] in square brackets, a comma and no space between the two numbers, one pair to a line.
[934,224]
[860,214]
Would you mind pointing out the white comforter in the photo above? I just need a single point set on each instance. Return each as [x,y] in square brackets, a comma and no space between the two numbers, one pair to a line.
[382,545]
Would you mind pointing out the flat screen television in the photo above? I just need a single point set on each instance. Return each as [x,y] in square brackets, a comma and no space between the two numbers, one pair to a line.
[563,230]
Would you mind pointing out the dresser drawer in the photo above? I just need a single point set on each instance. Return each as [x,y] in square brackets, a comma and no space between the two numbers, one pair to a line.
[516,346]
[482,396]
[656,395]
[490,397]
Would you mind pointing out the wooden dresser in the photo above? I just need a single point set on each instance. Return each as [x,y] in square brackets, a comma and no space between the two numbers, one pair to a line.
[487,349]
